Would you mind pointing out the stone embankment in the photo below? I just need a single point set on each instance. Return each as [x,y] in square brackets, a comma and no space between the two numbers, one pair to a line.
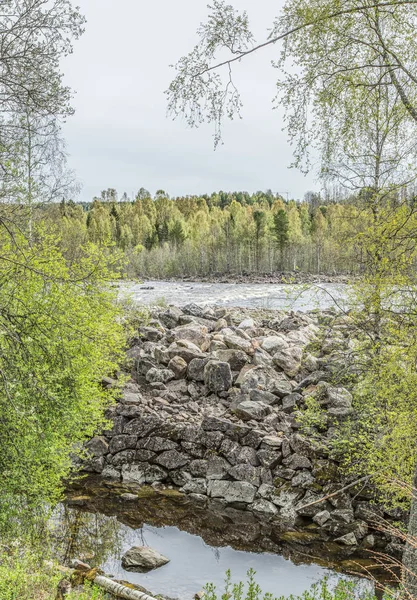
[213,409]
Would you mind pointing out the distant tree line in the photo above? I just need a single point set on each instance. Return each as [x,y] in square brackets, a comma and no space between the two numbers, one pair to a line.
[219,233]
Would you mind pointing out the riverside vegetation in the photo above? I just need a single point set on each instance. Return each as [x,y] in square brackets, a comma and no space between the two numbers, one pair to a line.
[353,98]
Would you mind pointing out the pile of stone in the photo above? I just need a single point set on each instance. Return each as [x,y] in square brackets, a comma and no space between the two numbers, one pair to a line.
[213,409]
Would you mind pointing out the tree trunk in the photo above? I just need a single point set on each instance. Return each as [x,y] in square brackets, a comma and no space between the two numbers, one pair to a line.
[410,552]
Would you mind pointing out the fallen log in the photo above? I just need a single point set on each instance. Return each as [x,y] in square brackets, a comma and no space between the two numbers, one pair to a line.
[119,590]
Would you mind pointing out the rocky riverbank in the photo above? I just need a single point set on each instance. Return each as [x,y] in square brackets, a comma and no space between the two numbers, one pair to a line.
[275,277]
[213,410]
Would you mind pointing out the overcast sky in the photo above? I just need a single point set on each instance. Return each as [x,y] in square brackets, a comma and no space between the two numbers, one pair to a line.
[120,135]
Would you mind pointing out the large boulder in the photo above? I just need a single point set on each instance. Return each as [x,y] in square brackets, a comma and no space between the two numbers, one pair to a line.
[155,375]
[217,376]
[193,332]
[289,360]
[236,358]
[235,342]
[263,378]
[274,343]
[232,491]
[178,366]
[143,559]
[248,410]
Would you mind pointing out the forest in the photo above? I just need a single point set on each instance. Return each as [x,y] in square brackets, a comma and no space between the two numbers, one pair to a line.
[224,233]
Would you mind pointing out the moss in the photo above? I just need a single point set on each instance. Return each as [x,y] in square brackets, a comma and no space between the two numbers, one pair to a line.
[300,537]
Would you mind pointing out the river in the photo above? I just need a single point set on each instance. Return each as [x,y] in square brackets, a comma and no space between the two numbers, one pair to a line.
[248,295]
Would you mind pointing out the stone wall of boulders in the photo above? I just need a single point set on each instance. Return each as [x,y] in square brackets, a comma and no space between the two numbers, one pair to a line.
[212,409]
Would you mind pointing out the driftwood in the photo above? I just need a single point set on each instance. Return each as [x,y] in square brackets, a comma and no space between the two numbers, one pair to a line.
[119,590]
[343,489]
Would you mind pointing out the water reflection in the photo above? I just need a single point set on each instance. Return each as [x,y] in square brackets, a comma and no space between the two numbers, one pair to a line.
[97,525]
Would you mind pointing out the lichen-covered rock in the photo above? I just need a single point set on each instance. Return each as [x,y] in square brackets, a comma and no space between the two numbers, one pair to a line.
[155,375]
[264,507]
[245,472]
[217,376]
[232,491]
[122,442]
[217,468]
[248,410]
[172,459]
[142,473]
[263,396]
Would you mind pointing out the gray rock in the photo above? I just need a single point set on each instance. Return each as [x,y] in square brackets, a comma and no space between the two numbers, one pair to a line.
[170,317]
[172,459]
[322,517]
[198,468]
[248,410]
[269,457]
[217,376]
[143,426]
[290,402]
[193,332]
[237,359]
[195,370]
[263,507]
[123,458]
[263,396]
[178,366]
[152,334]
[248,455]
[303,479]
[212,423]
[159,375]
[296,461]
[348,539]
[289,360]
[247,324]
[236,342]
[156,444]
[122,442]
[195,486]
[110,473]
[142,473]
[217,468]
[245,472]
[97,446]
[143,559]
[274,343]
[232,491]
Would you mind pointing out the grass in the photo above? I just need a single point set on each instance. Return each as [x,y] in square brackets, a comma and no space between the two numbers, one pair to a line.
[25,577]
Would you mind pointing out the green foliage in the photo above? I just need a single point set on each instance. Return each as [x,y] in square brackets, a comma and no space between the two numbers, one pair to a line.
[26,576]
[342,590]
[60,334]
[233,232]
